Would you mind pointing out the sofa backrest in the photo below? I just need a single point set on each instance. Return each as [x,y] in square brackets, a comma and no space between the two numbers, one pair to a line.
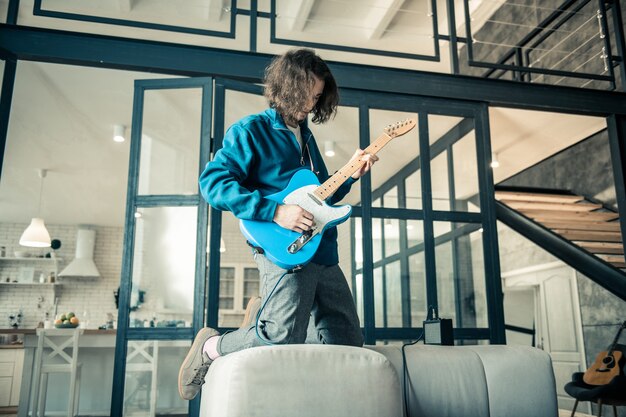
[476,381]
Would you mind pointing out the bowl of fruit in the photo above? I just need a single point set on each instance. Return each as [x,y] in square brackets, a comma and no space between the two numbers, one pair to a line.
[66,321]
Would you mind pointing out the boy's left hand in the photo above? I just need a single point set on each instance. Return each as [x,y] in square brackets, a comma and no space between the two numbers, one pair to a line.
[367,158]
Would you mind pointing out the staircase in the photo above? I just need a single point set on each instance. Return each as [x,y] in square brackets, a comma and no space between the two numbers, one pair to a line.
[588,225]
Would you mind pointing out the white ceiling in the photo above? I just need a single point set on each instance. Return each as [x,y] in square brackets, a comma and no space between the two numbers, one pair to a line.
[62,116]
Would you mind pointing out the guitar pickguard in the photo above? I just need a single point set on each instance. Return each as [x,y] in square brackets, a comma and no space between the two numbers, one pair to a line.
[277,241]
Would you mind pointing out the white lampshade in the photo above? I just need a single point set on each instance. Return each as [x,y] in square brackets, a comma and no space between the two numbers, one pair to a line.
[36,235]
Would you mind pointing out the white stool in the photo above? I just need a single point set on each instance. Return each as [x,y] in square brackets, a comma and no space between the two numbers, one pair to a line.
[51,357]
[140,358]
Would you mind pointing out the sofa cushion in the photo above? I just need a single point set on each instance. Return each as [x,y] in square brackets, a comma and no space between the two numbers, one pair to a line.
[444,381]
[476,381]
[302,380]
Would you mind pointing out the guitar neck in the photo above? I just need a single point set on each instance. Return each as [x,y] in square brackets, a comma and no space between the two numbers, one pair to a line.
[332,184]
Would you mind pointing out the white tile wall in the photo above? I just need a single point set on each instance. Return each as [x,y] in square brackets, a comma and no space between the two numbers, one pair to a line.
[79,295]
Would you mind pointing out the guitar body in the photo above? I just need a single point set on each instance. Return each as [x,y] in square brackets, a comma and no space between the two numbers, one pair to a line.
[276,241]
[604,369]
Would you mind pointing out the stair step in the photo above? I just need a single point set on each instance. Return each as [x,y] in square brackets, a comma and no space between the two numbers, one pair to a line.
[538,197]
[602,247]
[532,205]
[583,225]
[616,261]
[543,216]
[590,235]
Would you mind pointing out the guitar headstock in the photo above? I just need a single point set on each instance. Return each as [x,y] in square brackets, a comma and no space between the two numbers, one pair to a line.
[400,128]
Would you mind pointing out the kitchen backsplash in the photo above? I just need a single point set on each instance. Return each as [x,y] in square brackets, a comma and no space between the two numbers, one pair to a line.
[91,297]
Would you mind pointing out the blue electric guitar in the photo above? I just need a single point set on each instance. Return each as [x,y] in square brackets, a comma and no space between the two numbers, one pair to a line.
[289,249]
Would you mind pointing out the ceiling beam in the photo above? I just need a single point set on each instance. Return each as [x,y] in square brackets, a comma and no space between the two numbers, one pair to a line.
[381,14]
[301,14]
[125,6]
[72,48]
[215,10]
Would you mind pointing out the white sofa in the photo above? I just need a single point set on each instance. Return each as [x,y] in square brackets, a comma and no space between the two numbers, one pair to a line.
[322,380]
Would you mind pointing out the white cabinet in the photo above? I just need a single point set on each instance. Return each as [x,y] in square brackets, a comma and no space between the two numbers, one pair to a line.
[11,364]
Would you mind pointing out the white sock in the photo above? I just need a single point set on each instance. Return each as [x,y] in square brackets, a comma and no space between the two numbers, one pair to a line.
[210,347]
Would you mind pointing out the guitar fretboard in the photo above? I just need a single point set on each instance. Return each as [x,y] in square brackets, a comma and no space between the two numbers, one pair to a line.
[332,184]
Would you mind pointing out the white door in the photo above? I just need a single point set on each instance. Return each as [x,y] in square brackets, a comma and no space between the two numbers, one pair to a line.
[558,325]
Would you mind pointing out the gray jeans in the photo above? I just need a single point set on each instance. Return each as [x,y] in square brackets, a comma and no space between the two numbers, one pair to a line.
[313,305]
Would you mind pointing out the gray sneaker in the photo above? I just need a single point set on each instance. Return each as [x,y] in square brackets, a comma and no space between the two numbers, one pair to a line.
[195,366]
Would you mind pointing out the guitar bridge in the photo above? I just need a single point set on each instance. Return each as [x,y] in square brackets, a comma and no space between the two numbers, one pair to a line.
[302,240]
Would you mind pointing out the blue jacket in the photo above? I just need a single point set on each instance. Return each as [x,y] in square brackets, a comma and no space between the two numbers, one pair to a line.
[259,155]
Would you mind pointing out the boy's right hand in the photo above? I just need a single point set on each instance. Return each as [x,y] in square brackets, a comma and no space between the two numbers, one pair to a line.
[293,217]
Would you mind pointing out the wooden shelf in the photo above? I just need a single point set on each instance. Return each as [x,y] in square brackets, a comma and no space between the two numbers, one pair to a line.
[30,259]
[31,283]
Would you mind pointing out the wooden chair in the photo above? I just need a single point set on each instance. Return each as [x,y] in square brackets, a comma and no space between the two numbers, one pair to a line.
[57,352]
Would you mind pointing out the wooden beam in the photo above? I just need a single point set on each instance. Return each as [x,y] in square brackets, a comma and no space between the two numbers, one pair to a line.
[546,198]
[532,205]
[215,10]
[125,6]
[301,14]
[380,16]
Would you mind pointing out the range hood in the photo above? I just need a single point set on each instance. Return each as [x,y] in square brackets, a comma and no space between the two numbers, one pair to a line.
[83,264]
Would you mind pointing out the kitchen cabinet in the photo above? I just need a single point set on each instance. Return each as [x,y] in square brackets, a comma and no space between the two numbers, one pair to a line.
[11,364]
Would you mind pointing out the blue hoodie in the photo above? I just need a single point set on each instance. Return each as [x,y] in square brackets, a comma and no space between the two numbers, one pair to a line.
[259,155]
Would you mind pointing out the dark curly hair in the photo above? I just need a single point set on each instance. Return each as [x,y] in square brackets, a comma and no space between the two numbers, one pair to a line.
[289,81]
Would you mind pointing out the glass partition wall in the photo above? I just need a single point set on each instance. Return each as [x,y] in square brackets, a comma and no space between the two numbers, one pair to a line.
[413,248]
[418,246]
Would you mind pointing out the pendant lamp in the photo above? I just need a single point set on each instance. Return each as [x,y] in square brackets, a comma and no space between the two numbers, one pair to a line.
[36,235]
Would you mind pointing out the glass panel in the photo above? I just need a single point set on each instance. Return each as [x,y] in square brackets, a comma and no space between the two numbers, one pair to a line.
[417,286]
[413,187]
[460,275]
[227,288]
[391,232]
[394,295]
[341,136]
[181,13]
[398,159]
[466,197]
[2,62]
[250,285]
[379,298]
[164,267]
[151,366]
[443,132]
[239,276]
[441,189]
[239,104]
[170,144]
[410,31]
[377,236]
[391,198]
